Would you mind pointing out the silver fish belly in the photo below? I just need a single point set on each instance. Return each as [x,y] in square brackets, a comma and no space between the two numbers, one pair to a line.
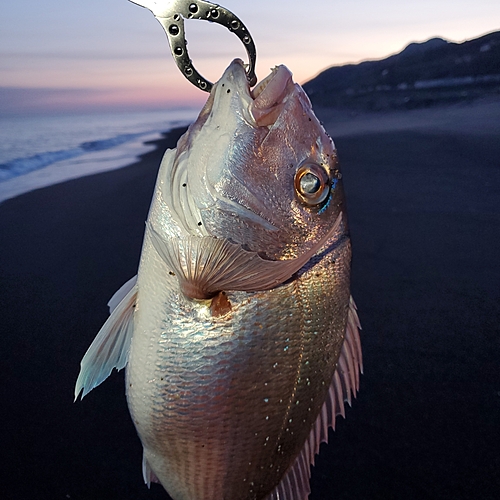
[232,386]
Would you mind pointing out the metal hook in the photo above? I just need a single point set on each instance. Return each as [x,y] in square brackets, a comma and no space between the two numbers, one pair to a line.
[171,15]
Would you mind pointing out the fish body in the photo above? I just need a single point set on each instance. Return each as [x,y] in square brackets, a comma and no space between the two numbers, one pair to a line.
[239,336]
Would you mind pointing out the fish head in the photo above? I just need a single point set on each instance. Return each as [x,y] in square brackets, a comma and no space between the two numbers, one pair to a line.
[258,167]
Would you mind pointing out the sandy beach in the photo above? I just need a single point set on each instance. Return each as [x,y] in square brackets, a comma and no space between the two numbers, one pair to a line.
[424,208]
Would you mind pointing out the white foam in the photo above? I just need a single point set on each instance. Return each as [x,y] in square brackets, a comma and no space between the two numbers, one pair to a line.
[73,168]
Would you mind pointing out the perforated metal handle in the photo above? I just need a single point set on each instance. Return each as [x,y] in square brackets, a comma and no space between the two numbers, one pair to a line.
[171,15]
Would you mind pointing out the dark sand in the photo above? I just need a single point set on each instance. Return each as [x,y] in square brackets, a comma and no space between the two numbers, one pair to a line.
[424,207]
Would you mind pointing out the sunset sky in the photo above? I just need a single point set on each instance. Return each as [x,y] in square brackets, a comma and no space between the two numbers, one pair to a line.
[89,55]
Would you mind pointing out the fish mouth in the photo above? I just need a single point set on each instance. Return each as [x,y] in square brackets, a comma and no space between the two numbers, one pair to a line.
[270,96]
[267,100]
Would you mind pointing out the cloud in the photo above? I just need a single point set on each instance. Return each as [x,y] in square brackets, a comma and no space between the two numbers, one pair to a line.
[16,100]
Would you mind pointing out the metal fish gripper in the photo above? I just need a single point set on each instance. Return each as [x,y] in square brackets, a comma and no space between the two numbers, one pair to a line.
[171,15]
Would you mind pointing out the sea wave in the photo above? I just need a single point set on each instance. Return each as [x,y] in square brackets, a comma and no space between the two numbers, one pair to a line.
[21,166]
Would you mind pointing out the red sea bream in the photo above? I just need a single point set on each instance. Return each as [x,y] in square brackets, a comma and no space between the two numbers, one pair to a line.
[239,335]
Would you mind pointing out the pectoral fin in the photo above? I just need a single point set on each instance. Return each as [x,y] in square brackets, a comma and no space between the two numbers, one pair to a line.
[205,265]
[111,346]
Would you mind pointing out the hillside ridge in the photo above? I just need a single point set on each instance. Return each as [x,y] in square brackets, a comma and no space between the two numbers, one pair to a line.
[423,74]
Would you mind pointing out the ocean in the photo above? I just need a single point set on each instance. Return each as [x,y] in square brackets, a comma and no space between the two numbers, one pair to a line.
[38,151]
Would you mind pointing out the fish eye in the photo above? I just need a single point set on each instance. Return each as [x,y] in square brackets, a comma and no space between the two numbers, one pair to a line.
[311,184]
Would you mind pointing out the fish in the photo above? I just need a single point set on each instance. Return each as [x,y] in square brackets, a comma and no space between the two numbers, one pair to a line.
[239,334]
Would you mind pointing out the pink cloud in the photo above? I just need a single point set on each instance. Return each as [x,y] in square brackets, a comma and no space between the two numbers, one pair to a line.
[16,100]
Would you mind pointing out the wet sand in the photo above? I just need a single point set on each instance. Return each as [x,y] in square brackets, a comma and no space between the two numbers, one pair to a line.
[424,209]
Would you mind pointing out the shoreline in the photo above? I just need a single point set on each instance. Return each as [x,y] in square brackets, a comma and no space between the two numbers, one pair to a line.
[91,163]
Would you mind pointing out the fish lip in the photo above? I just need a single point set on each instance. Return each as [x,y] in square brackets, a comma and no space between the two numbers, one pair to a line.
[261,106]
[260,86]
[236,73]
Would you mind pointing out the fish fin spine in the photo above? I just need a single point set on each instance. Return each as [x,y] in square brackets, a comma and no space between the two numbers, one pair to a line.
[345,384]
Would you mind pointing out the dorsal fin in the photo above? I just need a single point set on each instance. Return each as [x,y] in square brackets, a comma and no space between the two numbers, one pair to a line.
[120,294]
[205,265]
[345,383]
[111,346]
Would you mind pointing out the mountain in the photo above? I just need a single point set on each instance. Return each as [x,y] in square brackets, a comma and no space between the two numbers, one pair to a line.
[423,74]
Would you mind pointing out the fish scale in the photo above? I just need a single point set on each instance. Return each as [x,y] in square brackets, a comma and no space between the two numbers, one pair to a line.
[262,370]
